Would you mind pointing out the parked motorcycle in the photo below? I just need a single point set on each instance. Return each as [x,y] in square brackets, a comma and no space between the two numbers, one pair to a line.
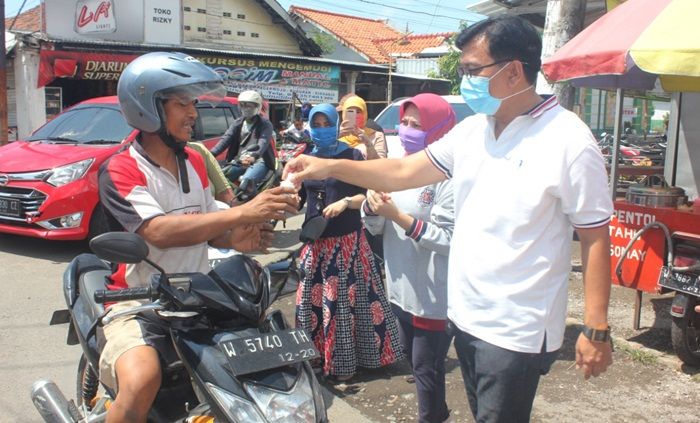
[293,144]
[233,362]
[682,275]
[242,187]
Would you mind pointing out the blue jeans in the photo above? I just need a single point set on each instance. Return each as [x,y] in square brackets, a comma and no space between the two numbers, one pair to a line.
[426,351]
[501,384]
[256,172]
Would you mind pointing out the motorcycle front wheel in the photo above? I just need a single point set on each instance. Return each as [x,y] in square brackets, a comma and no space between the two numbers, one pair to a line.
[685,337]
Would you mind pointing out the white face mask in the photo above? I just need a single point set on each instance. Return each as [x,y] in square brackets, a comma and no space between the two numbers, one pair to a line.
[248,111]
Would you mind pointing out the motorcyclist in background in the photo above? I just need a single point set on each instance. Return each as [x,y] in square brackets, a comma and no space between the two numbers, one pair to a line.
[298,129]
[251,130]
[158,188]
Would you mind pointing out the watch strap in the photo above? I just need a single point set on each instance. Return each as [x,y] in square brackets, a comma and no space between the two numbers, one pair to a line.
[596,335]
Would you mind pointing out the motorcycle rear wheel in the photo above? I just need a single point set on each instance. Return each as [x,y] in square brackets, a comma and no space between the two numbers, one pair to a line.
[87,383]
[685,337]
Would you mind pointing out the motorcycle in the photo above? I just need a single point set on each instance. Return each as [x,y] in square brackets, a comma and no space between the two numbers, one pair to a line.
[293,144]
[682,275]
[243,189]
[232,360]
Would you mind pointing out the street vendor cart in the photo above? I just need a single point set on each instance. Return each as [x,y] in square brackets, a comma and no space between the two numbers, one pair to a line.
[655,230]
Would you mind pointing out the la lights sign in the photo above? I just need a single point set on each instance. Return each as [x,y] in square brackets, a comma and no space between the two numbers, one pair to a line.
[95,17]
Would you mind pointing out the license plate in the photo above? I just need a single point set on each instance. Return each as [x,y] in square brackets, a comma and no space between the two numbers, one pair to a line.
[268,350]
[10,207]
[679,281]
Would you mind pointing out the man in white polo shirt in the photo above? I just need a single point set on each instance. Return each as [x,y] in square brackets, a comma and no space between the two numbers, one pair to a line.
[526,173]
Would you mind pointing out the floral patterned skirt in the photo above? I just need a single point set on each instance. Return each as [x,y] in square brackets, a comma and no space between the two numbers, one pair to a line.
[342,304]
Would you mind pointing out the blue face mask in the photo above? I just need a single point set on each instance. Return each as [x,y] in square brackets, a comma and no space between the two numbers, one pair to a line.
[324,137]
[476,93]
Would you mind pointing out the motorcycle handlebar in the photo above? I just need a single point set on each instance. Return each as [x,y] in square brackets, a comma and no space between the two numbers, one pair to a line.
[104,296]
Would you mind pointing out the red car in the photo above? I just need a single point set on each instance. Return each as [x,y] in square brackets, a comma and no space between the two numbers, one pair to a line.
[48,182]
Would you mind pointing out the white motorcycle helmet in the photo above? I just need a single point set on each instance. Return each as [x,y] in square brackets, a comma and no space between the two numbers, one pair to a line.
[252,97]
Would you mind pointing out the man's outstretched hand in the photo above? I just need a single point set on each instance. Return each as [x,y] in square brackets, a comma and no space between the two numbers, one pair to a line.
[252,238]
[271,204]
[306,167]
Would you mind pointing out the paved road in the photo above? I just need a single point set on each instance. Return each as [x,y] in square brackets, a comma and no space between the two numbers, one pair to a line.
[646,383]
[31,273]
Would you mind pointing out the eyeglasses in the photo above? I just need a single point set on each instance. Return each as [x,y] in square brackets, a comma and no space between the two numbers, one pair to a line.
[472,72]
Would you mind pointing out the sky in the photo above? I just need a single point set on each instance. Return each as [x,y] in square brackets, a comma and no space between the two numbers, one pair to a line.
[421,16]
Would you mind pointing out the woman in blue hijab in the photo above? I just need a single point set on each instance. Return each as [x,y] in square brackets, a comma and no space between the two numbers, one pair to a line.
[341,301]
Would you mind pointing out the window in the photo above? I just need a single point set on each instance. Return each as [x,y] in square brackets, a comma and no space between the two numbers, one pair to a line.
[214,121]
[227,32]
[254,35]
[201,11]
[86,124]
[201,29]
[187,27]
[241,33]
[187,9]
[227,14]
[241,16]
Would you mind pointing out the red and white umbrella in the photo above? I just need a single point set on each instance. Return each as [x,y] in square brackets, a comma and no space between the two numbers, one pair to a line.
[633,45]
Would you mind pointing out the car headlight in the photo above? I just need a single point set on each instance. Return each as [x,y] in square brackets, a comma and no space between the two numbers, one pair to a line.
[237,408]
[69,173]
[294,406]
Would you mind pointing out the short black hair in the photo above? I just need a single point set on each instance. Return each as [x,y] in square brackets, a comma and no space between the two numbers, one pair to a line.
[509,38]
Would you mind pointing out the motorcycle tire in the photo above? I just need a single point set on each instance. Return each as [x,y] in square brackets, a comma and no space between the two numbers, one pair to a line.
[87,383]
[685,338]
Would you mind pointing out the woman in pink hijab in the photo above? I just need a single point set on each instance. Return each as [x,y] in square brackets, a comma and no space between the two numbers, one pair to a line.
[417,227]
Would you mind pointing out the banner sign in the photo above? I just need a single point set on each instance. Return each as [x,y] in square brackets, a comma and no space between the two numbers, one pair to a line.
[78,65]
[278,79]
[274,79]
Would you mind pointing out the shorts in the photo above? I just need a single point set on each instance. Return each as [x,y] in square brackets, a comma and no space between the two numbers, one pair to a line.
[125,333]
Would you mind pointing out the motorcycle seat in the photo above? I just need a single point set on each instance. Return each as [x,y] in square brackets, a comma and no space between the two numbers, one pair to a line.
[89,283]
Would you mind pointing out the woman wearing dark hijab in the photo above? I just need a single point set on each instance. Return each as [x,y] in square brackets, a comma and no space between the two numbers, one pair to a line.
[341,301]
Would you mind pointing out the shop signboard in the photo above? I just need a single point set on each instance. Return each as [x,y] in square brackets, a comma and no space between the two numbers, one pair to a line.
[151,21]
[274,79]
[277,79]
[80,65]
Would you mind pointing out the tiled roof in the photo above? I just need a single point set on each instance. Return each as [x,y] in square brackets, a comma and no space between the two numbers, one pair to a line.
[411,44]
[29,20]
[358,33]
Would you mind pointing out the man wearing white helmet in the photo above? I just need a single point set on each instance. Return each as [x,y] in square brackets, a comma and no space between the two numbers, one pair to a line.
[158,188]
[252,134]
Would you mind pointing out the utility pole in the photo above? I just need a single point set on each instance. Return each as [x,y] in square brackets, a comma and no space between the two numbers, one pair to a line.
[563,21]
[3,78]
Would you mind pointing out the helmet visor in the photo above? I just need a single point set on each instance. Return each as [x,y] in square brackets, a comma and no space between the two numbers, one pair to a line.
[209,93]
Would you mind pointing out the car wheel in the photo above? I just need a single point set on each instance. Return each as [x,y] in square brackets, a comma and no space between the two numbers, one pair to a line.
[99,223]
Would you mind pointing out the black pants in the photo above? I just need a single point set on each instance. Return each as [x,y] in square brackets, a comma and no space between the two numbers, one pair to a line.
[501,384]
[426,351]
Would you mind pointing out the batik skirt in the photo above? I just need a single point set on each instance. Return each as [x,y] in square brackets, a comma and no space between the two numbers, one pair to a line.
[342,304]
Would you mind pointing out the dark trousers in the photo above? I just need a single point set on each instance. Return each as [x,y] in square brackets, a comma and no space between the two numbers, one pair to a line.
[426,351]
[501,384]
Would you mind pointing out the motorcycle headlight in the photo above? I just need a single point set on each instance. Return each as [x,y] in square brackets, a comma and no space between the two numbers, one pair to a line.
[237,408]
[69,173]
[294,406]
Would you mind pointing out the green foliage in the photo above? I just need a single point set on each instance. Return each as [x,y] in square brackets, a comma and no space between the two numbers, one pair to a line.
[448,64]
[323,40]
[638,355]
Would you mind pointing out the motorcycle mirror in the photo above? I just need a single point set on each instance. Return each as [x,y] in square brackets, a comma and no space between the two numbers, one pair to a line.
[120,247]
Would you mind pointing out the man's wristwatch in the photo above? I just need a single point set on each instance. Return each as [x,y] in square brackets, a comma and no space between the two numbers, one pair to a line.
[596,335]
[348,201]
